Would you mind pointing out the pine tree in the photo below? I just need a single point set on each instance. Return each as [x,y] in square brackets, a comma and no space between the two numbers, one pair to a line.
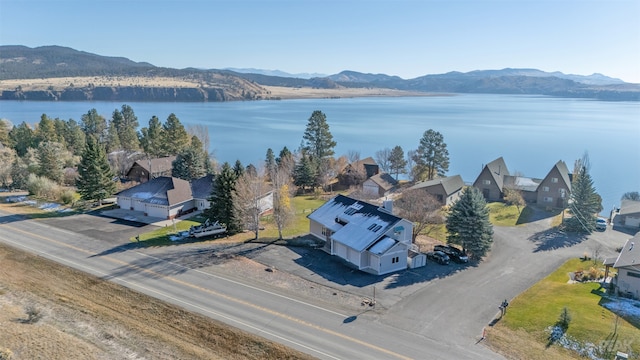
[51,159]
[238,169]
[304,174]
[222,206]
[95,177]
[94,124]
[584,203]
[151,138]
[468,223]
[318,141]
[174,136]
[127,129]
[432,154]
[270,163]
[397,163]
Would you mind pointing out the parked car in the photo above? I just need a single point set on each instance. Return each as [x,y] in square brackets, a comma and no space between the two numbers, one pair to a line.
[453,252]
[601,224]
[439,257]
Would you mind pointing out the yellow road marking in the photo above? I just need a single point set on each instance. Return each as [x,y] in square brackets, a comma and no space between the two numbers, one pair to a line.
[212,292]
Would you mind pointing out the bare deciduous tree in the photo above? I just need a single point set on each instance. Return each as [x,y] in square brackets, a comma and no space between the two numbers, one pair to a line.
[250,189]
[420,208]
[382,158]
[514,197]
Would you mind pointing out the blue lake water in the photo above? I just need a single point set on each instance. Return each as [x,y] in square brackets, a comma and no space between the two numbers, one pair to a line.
[531,132]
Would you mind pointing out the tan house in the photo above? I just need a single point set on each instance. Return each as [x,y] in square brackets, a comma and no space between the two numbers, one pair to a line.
[379,185]
[628,266]
[491,180]
[368,164]
[145,169]
[446,190]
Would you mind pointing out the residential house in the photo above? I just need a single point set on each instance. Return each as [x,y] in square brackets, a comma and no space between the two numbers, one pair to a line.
[551,191]
[446,190]
[555,188]
[163,197]
[368,164]
[629,214]
[201,190]
[491,180]
[364,235]
[628,266]
[379,185]
[145,169]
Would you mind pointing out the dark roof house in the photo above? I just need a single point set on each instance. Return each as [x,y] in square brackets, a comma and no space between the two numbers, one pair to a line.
[446,190]
[145,169]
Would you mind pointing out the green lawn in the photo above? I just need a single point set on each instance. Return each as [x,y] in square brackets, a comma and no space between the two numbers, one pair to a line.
[501,214]
[303,206]
[540,306]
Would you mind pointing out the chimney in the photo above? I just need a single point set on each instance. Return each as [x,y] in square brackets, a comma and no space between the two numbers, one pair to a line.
[387,206]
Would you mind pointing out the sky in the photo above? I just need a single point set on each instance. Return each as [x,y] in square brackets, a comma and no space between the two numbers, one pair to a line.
[406,38]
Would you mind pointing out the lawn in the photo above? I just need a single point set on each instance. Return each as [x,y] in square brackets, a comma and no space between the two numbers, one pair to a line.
[303,206]
[531,314]
[501,214]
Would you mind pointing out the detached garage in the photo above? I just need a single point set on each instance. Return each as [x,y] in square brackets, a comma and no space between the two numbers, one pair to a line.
[629,215]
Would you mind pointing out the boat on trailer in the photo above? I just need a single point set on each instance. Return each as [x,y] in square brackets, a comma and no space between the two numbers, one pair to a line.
[207,229]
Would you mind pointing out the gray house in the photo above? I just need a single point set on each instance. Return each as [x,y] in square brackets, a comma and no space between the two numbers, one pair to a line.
[629,214]
[555,188]
[446,190]
[163,197]
[491,180]
[628,266]
[379,185]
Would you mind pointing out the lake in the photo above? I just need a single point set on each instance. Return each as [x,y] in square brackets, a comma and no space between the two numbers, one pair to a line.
[531,132]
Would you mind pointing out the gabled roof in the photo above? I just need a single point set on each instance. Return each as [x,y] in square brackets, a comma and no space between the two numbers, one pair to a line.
[163,190]
[629,207]
[384,180]
[630,254]
[498,170]
[564,173]
[451,184]
[356,224]
[202,187]
[158,164]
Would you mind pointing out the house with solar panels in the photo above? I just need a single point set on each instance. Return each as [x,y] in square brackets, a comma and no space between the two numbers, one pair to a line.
[367,237]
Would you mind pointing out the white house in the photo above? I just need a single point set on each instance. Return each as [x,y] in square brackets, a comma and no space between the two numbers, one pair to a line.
[628,266]
[367,237]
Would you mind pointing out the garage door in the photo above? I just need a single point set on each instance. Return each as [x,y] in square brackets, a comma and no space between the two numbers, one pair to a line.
[632,221]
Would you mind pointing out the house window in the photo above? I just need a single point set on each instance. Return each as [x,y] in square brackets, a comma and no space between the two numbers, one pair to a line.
[326,232]
[633,274]
[548,199]
[395,260]
[545,188]
[486,182]
[554,180]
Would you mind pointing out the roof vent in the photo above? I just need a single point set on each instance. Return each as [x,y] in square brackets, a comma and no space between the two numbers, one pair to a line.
[631,247]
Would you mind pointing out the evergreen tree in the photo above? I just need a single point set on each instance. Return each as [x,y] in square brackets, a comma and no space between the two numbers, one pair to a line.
[127,129]
[46,130]
[189,164]
[73,136]
[150,138]
[174,136]
[23,138]
[5,127]
[305,174]
[270,163]
[468,223]
[397,163]
[113,140]
[584,203]
[222,206]
[95,177]
[94,125]
[51,160]
[432,154]
[318,141]
[238,169]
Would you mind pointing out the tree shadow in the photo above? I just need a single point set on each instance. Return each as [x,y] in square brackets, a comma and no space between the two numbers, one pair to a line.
[552,239]
[533,213]
[178,260]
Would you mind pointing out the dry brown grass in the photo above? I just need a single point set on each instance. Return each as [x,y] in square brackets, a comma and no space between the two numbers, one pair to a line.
[89,318]
[518,345]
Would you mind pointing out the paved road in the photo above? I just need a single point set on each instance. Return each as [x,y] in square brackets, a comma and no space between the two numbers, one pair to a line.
[436,311]
[319,331]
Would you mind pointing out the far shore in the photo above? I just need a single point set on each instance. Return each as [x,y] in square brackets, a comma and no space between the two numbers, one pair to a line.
[270,93]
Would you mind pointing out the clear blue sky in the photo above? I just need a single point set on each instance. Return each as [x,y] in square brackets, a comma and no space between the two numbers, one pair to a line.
[400,37]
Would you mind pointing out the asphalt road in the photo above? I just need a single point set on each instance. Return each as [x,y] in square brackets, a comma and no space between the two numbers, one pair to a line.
[435,312]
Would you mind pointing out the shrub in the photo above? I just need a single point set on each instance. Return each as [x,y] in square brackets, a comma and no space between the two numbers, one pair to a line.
[42,187]
[69,196]
[34,314]
[5,354]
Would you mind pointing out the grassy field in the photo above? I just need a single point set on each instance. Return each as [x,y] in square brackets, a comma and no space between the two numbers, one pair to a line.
[523,333]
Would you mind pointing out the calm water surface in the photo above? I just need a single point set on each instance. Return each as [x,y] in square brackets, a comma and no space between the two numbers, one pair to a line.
[531,132]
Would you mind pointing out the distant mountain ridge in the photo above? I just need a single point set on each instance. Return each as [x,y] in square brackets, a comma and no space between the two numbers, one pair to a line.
[21,62]
[277,73]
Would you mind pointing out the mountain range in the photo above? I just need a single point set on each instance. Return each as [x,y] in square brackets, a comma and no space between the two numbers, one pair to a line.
[21,62]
